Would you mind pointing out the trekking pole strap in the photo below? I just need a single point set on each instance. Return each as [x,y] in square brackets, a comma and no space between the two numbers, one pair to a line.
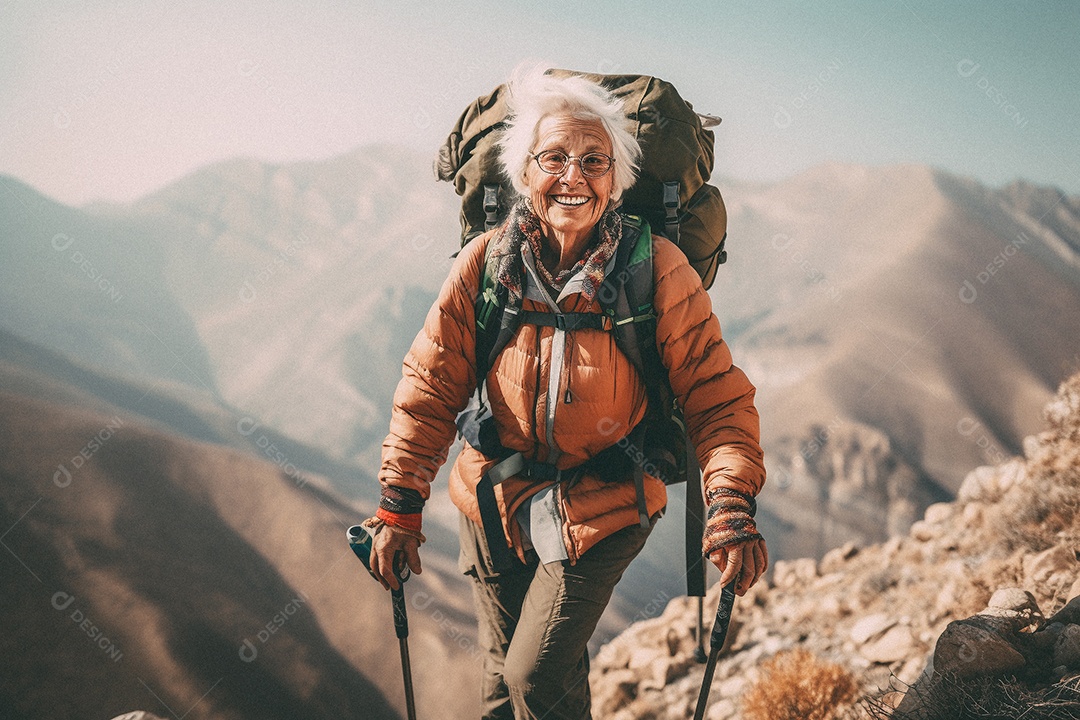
[502,558]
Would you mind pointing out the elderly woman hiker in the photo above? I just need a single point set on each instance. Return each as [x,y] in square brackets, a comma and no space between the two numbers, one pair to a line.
[556,391]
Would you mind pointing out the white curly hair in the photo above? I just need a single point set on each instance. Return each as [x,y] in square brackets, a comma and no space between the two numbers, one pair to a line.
[534,95]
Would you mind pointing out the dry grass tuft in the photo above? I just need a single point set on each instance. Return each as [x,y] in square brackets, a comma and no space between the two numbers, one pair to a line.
[947,698]
[796,685]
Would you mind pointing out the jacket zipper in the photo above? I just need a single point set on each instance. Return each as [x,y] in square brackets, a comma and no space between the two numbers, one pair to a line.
[561,501]
[558,356]
[567,398]
[536,396]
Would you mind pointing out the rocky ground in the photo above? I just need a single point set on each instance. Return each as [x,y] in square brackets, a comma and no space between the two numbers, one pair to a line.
[1005,552]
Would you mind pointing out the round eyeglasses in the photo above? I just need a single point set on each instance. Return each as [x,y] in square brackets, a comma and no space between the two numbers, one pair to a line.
[555,162]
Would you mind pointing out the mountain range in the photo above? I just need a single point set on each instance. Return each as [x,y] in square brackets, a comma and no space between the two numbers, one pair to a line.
[238,335]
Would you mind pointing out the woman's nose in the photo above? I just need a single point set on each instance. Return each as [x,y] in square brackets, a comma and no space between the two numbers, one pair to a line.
[572,175]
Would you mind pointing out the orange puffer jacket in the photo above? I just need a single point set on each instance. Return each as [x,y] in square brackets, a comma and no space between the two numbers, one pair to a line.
[597,398]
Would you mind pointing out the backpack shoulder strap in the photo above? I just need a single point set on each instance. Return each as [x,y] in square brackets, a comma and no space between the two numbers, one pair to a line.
[497,318]
[627,293]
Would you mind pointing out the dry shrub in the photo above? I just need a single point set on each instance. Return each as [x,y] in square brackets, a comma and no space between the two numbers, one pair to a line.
[796,685]
[950,698]
[1049,505]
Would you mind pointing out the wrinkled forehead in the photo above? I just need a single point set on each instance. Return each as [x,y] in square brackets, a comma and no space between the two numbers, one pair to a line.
[574,135]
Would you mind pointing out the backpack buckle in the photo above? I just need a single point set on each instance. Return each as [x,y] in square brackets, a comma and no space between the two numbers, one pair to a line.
[671,211]
[491,206]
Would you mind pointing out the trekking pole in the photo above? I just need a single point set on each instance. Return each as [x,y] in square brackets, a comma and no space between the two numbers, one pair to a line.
[716,643]
[360,542]
[699,651]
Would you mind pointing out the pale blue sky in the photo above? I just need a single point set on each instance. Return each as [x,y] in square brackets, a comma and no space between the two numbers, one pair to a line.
[110,100]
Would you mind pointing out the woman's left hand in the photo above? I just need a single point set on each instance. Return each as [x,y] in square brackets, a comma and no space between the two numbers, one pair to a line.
[746,561]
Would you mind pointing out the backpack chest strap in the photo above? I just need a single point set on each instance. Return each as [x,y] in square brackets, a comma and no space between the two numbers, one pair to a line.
[568,321]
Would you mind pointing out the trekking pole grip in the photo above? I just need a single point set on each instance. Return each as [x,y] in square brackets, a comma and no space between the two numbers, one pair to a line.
[723,617]
[397,597]
[401,619]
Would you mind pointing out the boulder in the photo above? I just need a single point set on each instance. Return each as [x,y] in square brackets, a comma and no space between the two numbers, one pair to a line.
[1067,648]
[1050,567]
[1068,615]
[615,690]
[612,656]
[1008,611]
[939,513]
[988,483]
[895,645]
[870,627]
[1012,599]
[967,650]
[834,559]
[923,531]
[789,574]
[643,657]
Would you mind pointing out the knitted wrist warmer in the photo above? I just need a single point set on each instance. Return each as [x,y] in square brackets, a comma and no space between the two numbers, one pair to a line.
[401,506]
[730,520]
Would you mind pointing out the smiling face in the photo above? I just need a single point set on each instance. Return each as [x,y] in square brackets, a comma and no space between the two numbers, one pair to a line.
[569,205]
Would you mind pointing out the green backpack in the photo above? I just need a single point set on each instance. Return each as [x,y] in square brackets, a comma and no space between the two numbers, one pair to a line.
[672,193]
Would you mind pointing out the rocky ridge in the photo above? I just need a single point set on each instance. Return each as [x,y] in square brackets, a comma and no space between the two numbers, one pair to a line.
[1004,552]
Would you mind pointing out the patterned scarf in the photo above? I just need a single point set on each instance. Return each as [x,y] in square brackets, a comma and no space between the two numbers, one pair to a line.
[523,226]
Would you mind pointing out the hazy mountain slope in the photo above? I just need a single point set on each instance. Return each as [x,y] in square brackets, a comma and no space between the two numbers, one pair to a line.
[307,282]
[172,407]
[177,553]
[878,384]
[881,381]
[91,286]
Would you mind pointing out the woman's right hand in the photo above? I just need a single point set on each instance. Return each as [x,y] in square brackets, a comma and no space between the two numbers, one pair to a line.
[387,546]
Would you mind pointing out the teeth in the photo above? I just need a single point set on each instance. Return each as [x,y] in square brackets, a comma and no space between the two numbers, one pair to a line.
[570,200]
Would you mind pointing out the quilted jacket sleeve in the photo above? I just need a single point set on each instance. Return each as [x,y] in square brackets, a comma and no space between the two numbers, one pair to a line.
[438,377]
[716,396]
